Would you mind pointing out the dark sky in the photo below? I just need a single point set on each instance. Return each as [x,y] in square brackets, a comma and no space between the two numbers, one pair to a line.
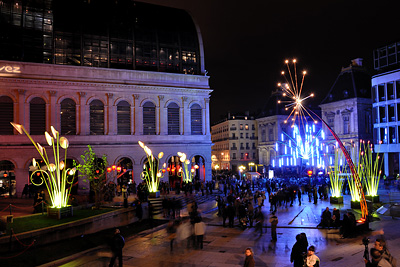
[246,43]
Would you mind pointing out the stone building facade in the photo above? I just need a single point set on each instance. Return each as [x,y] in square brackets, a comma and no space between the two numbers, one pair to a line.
[110,96]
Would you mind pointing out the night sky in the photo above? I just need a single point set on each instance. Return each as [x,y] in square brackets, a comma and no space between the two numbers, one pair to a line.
[246,43]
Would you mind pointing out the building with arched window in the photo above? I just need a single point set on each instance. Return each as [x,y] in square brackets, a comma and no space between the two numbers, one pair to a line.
[111,74]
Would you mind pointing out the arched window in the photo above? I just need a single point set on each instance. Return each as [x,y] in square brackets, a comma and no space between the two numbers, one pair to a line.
[6,115]
[68,117]
[124,118]
[196,120]
[96,117]
[149,118]
[173,119]
[37,116]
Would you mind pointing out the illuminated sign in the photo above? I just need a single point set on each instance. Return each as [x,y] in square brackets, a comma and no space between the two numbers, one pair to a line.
[10,69]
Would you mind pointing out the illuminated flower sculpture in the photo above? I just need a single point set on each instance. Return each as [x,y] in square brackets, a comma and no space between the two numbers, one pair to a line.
[335,175]
[372,168]
[186,172]
[56,176]
[151,174]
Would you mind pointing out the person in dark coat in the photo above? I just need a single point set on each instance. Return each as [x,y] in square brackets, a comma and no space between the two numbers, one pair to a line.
[326,218]
[249,260]
[336,218]
[231,214]
[139,210]
[298,252]
[117,243]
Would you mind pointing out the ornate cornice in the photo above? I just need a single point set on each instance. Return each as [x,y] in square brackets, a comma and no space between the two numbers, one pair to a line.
[105,85]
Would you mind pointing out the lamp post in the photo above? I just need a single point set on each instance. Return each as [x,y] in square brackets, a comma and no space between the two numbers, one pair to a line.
[241,169]
[216,167]
[251,165]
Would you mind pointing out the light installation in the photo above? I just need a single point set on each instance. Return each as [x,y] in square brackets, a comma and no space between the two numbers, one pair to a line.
[151,173]
[293,89]
[186,172]
[301,149]
[371,167]
[336,173]
[56,176]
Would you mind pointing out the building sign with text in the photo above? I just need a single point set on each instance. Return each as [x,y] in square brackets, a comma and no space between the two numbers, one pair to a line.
[10,69]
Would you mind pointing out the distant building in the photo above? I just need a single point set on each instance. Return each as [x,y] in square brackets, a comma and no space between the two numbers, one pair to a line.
[347,108]
[105,74]
[235,143]
[386,105]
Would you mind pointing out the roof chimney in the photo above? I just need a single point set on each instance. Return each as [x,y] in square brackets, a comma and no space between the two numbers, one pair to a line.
[357,62]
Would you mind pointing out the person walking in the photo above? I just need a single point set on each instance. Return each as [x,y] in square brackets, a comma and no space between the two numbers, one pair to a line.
[249,260]
[199,231]
[117,243]
[273,220]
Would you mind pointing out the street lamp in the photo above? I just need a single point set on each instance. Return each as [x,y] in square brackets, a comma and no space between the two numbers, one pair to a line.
[241,169]
[216,167]
[251,165]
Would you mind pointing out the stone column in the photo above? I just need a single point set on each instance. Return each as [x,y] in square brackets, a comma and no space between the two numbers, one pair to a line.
[21,178]
[110,116]
[53,116]
[185,117]
[137,171]
[162,117]
[206,116]
[19,108]
[137,116]
[83,115]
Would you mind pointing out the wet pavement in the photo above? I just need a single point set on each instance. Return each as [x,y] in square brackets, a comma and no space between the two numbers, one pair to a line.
[225,246]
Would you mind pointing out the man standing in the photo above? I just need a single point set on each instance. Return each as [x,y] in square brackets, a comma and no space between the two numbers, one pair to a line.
[117,243]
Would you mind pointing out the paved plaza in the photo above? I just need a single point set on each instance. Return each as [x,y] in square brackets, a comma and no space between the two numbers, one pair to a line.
[225,246]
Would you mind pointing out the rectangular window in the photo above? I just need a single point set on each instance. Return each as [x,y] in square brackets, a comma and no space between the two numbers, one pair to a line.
[382,114]
[381,92]
[392,135]
[241,135]
[398,89]
[390,90]
[247,135]
[253,127]
[271,134]
[241,155]
[241,127]
[331,122]
[123,119]
[149,120]
[374,94]
[246,126]
[233,155]
[254,155]
[346,124]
